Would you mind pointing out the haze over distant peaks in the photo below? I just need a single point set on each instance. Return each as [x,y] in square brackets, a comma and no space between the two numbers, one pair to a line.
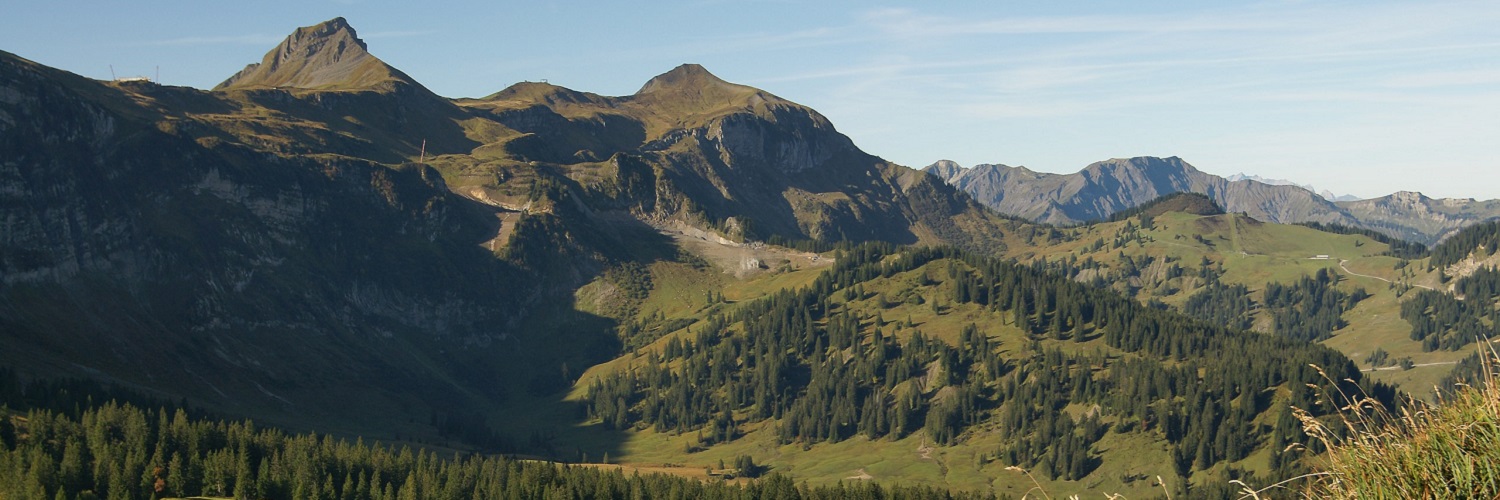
[1110,186]
[1265,180]
[946,169]
[325,56]
[1326,194]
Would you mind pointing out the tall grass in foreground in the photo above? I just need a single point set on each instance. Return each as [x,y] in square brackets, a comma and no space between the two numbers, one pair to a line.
[1447,450]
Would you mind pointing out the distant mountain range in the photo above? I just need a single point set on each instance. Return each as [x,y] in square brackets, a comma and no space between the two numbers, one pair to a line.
[1326,194]
[1106,187]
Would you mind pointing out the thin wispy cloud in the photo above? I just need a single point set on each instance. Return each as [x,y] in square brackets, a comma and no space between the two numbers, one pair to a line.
[1160,50]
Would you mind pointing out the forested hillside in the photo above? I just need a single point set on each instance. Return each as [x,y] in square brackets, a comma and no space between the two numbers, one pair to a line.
[1379,300]
[1047,369]
[124,452]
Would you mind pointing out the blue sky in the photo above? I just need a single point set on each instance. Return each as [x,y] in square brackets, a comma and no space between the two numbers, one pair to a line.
[1357,97]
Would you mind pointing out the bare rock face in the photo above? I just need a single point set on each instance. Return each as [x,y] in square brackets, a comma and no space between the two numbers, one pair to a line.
[326,56]
[1415,216]
[691,148]
[1106,187]
[745,127]
[1109,186]
[946,169]
[793,140]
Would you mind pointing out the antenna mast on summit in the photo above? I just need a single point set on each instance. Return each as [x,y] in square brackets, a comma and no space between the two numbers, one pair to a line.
[112,73]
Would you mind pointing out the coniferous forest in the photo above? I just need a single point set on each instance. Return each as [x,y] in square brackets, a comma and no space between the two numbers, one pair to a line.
[1444,321]
[124,452]
[826,374]
[802,359]
[1482,238]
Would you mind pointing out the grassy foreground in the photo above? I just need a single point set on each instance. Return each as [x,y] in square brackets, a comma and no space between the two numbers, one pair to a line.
[1450,450]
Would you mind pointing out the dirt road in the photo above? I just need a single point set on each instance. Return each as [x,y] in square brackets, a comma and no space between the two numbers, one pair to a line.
[1352,273]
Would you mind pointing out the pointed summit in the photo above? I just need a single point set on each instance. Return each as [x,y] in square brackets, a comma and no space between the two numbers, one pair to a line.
[325,56]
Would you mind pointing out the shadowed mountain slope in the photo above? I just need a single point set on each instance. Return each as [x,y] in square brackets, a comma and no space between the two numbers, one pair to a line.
[262,246]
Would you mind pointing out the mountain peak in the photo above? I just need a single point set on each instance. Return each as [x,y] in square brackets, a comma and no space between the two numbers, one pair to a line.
[1408,197]
[944,169]
[690,92]
[1139,165]
[326,56]
[684,77]
[337,23]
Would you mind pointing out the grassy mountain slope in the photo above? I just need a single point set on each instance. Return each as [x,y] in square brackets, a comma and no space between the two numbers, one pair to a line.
[916,366]
[1156,256]
[1171,256]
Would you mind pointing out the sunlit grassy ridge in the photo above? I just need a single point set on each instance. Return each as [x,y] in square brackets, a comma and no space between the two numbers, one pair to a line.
[1253,253]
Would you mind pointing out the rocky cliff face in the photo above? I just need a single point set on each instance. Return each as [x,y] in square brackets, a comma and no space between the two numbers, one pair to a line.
[1106,187]
[1109,186]
[1416,217]
[720,155]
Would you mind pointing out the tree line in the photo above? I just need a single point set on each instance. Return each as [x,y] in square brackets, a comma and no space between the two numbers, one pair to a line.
[119,451]
[1396,247]
[1483,237]
[824,371]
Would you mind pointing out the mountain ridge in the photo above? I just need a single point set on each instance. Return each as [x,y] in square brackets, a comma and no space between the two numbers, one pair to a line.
[1108,186]
[405,240]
